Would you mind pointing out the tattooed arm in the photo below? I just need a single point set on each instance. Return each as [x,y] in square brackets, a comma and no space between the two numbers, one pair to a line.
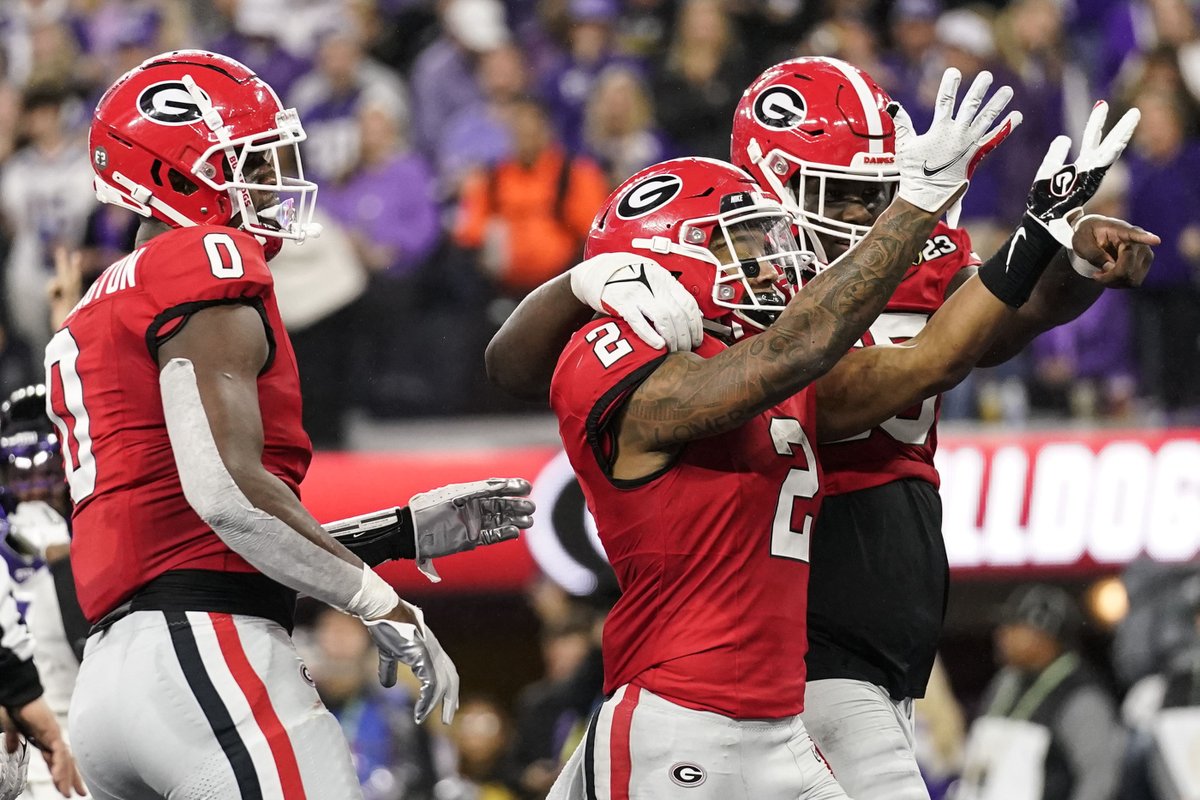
[689,397]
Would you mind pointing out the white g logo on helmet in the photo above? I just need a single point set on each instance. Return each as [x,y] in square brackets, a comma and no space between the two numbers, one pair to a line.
[649,195]
[169,103]
[780,107]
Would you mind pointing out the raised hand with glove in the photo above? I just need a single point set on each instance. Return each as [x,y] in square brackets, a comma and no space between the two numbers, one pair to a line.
[937,165]
[1054,203]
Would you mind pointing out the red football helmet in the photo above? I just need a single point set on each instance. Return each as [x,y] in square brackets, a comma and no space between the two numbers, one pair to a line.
[182,138]
[715,229]
[807,121]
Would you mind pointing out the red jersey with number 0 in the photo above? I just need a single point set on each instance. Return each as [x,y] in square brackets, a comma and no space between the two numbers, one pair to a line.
[711,553]
[902,447]
[131,521]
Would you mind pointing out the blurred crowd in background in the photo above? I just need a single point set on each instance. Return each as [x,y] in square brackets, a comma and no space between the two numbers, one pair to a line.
[462,147]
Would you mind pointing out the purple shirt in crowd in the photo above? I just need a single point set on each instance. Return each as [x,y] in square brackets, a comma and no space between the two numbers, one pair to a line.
[1098,343]
[1165,198]
[391,204]
[274,64]
[443,85]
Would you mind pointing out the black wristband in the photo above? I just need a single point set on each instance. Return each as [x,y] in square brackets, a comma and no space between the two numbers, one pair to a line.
[386,544]
[1014,270]
[19,683]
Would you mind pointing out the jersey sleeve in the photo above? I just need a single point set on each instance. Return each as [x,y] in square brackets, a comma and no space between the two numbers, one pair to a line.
[191,269]
[597,372]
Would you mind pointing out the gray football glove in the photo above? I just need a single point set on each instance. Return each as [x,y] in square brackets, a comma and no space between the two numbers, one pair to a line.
[13,767]
[462,516]
[417,647]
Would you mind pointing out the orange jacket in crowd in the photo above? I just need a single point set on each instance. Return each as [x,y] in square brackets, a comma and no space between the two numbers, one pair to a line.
[545,211]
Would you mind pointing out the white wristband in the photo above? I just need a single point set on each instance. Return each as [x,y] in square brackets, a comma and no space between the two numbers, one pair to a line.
[374,598]
[1082,265]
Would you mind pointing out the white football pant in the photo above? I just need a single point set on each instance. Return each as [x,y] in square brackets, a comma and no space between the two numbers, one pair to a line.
[204,706]
[642,747]
[866,737]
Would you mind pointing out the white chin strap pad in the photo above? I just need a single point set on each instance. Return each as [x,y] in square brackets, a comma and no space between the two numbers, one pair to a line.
[265,542]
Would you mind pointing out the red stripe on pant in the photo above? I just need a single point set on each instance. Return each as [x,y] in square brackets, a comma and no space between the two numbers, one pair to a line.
[260,704]
[618,744]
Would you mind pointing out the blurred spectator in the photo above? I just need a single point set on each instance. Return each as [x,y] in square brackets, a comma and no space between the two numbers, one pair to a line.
[849,38]
[1049,727]
[17,365]
[443,78]
[477,137]
[967,41]
[329,98]
[571,83]
[619,129]
[913,60]
[1055,96]
[644,27]
[45,197]
[1164,197]
[701,79]
[110,235]
[528,216]
[254,41]
[392,754]
[549,711]
[318,284]
[940,731]
[386,200]
[1158,71]
[480,732]
[388,206]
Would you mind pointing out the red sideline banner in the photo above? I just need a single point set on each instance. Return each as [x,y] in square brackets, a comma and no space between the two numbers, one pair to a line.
[1033,503]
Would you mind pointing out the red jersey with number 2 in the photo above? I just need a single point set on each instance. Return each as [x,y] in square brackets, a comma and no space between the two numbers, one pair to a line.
[131,521]
[711,553]
[903,446]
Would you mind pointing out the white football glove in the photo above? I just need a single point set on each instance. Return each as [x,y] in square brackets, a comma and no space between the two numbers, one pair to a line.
[36,526]
[1059,188]
[462,516]
[417,647]
[936,164]
[638,290]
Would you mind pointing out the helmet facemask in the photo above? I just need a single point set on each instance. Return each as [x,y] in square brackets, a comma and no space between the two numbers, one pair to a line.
[751,237]
[276,202]
[808,191]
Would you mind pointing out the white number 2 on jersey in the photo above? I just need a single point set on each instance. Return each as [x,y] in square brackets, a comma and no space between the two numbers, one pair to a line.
[610,347]
[801,483]
[61,356]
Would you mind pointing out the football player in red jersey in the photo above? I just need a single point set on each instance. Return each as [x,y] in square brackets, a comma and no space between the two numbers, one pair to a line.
[811,129]
[174,389]
[700,470]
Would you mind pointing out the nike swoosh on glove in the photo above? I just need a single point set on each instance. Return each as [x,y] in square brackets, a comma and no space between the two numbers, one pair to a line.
[935,165]
[640,291]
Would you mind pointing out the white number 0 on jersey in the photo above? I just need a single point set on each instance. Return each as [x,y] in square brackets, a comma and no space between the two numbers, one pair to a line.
[61,356]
